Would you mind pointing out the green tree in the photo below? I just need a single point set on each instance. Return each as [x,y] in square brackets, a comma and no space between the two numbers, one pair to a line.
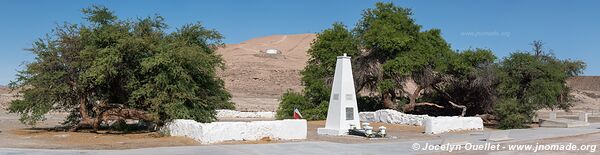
[117,69]
[396,51]
[472,81]
[457,81]
[383,33]
[390,49]
[532,81]
[317,76]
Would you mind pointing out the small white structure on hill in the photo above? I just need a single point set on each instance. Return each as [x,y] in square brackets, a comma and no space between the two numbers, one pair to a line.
[272,51]
[343,111]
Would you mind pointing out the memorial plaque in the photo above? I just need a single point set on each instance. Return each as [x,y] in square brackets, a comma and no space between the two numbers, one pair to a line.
[349,113]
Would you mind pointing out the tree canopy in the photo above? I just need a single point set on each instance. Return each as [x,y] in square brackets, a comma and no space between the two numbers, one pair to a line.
[111,69]
[390,50]
[530,81]
[317,76]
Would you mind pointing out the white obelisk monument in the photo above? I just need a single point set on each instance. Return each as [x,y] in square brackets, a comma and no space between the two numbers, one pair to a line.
[342,112]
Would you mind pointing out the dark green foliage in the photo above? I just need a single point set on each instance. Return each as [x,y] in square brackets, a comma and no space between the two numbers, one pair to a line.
[474,81]
[389,48]
[291,100]
[532,82]
[370,103]
[317,76]
[387,30]
[513,114]
[384,33]
[130,64]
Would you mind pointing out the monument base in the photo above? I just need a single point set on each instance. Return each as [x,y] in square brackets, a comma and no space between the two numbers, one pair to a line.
[333,132]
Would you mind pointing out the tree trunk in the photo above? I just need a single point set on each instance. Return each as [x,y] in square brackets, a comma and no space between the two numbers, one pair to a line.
[387,101]
[464,108]
[414,95]
[450,100]
[411,106]
[413,100]
[85,117]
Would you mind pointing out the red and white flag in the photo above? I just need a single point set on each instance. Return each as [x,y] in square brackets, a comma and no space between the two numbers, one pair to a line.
[297,114]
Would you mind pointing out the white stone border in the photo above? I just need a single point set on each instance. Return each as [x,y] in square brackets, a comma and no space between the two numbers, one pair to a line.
[207,133]
[226,113]
[437,125]
[392,117]
[433,125]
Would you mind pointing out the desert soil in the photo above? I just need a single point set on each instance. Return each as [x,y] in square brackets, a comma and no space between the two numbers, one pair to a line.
[586,91]
[16,135]
[256,79]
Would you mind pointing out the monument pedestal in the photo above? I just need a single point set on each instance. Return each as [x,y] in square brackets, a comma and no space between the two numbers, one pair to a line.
[343,111]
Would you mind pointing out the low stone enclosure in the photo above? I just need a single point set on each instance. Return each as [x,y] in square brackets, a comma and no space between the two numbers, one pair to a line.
[207,133]
[433,125]
[290,129]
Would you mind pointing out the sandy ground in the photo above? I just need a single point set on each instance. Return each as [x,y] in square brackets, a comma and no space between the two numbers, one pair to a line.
[16,135]
[395,133]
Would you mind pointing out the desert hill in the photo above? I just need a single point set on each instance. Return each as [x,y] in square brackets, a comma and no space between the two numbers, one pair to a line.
[589,83]
[586,90]
[257,79]
[6,95]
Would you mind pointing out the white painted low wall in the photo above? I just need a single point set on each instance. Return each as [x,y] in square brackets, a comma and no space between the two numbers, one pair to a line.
[215,132]
[392,117]
[436,125]
[226,113]
[433,125]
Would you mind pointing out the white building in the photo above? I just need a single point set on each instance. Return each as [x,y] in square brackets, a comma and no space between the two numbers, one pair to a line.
[272,51]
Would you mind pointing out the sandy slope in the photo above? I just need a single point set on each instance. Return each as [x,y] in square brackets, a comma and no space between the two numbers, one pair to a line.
[586,92]
[255,79]
[6,95]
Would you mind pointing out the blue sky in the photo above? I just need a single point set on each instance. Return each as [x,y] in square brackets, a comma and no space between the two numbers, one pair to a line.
[569,28]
